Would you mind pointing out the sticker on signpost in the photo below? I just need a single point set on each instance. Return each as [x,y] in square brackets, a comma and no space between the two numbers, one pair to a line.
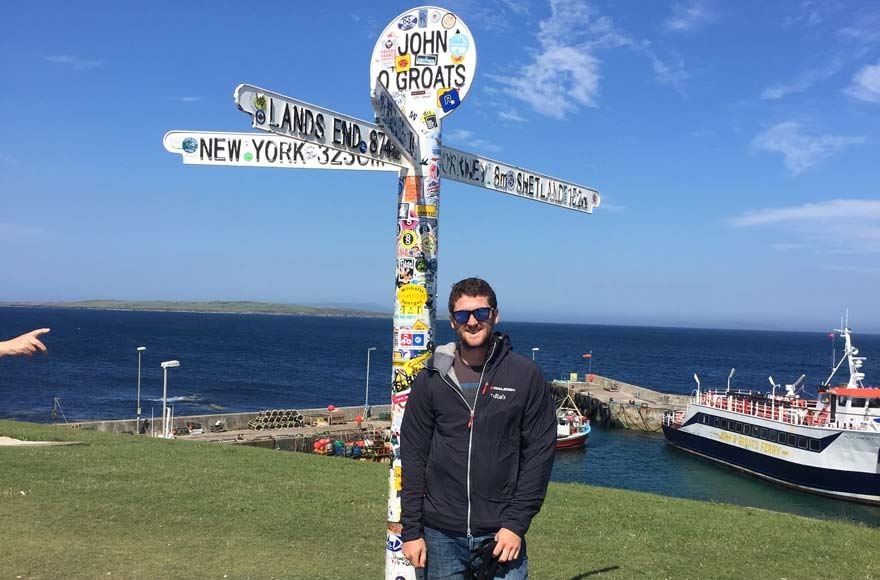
[427,57]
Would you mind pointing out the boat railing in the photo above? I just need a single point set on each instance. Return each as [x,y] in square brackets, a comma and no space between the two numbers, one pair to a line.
[792,412]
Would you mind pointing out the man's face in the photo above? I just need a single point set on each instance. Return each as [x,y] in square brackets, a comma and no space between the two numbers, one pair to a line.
[473,333]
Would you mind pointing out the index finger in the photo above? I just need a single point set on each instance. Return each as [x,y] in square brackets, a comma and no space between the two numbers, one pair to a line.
[39,332]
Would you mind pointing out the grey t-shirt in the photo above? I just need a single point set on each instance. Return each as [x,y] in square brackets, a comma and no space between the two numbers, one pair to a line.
[468,378]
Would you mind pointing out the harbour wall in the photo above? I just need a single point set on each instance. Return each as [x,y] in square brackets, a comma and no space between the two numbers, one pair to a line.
[612,403]
[231,421]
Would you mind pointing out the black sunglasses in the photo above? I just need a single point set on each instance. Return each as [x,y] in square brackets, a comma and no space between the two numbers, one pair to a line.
[480,314]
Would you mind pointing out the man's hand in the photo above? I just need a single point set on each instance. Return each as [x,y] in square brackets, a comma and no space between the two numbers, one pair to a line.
[27,343]
[507,545]
[416,552]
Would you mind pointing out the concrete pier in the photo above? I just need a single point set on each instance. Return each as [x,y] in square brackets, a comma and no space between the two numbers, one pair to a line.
[610,402]
[235,422]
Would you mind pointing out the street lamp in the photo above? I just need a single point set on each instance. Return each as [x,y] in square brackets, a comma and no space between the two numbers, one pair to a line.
[168,364]
[137,425]
[367,395]
[534,350]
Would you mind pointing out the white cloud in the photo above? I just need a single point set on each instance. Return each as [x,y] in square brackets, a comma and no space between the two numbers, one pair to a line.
[516,6]
[564,73]
[75,62]
[189,99]
[810,15]
[670,72]
[799,150]
[786,246]
[465,137]
[688,16]
[804,82]
[836,226]
[831,210]
[510,115]
[866,84]
[865,29]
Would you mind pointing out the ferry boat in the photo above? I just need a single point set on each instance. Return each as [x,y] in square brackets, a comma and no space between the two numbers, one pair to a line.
[572,427]
[829,445]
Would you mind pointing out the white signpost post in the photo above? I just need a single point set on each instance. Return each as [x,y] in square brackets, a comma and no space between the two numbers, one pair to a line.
[421,69]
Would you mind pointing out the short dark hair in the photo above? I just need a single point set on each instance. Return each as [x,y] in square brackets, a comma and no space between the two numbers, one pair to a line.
[472,287]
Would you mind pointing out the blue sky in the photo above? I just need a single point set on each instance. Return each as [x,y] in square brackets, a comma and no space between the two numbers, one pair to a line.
[735,145]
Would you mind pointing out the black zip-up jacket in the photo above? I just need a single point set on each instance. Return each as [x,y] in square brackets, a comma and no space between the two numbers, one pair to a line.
[476,470]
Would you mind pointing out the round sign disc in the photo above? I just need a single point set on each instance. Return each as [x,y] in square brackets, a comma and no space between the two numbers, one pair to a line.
[427,58]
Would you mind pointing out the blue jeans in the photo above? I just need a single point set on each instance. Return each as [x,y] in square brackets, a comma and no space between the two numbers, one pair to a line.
[449,556]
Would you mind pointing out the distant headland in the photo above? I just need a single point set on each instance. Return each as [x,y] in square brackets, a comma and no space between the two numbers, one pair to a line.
[212,306]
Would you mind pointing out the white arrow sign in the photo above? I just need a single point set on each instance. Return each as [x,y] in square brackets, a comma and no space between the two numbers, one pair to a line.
[396,125]
[497,176]
[264,150]
[289,117]
[454,164]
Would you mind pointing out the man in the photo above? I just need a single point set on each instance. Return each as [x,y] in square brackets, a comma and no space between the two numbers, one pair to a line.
[26,344]
[477,444]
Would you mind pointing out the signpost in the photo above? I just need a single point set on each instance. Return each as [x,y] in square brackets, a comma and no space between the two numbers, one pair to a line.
[421,69]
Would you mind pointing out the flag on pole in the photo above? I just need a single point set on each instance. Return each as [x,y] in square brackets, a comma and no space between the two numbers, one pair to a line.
[588,355]
[831,335]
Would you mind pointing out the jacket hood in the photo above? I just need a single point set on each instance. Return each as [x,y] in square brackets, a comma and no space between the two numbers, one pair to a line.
[444,355]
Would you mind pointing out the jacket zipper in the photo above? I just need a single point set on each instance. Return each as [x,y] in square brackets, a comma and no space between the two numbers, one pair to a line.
[471,434]
[470,425]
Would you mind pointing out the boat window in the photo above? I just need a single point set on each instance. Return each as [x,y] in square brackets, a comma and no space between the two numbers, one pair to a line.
[802,442]
[724,424]
[874,403]
[858,402]
[763,432]
[717,422]
[842,401]
[792,439]
[780,437]
[755,430]
[739,427]
[815,445]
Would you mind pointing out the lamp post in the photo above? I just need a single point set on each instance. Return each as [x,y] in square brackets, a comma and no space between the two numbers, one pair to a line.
[534,350]
[137,425]
[367,394]
[168,364]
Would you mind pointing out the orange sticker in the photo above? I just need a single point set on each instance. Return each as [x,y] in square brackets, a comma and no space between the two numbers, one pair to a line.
[412,188]
[402,63]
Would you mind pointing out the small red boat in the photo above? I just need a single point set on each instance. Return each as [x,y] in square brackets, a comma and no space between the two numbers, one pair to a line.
[572,427]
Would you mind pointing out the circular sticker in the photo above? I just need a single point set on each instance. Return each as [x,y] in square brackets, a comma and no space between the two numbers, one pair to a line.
[408,238]
[190,145]
[430,64]
[412,296]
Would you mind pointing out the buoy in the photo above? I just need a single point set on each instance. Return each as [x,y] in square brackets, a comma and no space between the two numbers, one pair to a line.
[591,377]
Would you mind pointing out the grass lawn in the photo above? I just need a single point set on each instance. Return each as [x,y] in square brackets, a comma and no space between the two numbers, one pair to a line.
[127,507]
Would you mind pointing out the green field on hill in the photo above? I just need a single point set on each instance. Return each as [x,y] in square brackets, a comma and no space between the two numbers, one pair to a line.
[213,306]
[121,506]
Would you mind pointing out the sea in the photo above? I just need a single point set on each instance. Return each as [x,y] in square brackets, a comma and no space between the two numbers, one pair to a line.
[249,362]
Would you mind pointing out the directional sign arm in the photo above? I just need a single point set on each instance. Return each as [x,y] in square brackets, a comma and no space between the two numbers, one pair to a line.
[506,178]
[297,119]
[395,123]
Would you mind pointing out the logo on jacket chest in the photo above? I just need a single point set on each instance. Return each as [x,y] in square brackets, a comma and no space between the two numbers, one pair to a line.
[497,392]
